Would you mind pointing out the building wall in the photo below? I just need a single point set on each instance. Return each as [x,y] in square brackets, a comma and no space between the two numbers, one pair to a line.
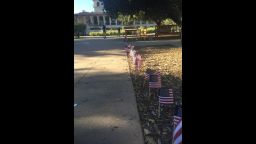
[95,20]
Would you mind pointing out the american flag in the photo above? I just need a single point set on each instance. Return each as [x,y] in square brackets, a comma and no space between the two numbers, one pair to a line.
[154,80]
[147,76]
[134,57]
[166,96]
[132,53]
[131,47]
[138,62]
[177,116]
[177,134]
[176,120]
[177,125]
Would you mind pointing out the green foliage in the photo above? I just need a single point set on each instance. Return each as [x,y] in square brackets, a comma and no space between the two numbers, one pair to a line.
[151,30]
[108,33]
[111,32]
[168,22]
[147,9]
[125,18]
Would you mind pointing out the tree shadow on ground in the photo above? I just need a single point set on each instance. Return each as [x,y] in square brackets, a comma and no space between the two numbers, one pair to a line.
[106,111]
[97,47]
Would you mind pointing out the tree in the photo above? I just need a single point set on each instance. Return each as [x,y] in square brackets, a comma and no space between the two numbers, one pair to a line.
[125,18]
[155,10]
[168,22]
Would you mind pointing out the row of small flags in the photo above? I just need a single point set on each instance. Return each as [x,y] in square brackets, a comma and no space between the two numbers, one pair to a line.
[136,58]
[166,98]
[165,95]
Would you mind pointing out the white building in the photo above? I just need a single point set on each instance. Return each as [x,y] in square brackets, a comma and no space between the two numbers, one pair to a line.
[95,20]
[98,6]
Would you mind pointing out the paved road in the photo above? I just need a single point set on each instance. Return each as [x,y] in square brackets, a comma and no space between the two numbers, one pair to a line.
[106,111]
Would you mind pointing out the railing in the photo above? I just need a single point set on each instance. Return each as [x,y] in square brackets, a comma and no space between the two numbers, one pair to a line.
[168,30]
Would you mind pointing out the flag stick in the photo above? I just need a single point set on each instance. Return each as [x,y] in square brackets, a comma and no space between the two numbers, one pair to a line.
[149,93]
[159,110]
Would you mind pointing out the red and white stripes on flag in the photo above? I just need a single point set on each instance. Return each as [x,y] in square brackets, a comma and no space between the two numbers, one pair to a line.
[154,80]
[132,53]
[138,62]
[176,120]
[146,76]
[177,134]
[153,83]
[166,99]
[134,57]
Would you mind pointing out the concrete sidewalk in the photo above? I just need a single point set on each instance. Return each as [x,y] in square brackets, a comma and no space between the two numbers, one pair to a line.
[106,112]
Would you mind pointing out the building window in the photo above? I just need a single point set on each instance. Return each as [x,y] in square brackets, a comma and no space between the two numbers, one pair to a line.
[98,4]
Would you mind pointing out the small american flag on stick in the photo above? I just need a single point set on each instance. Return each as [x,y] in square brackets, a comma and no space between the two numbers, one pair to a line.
[138,62]
[177,116]
[134,55]
[177,125]
[177,133]
[147,76]
[154,80]
[166,96]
